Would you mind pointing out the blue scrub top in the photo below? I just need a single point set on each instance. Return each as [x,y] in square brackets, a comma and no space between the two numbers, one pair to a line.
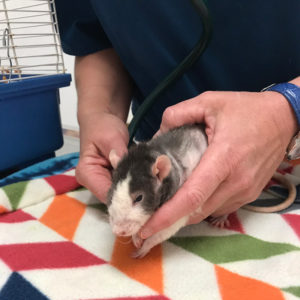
[255,43]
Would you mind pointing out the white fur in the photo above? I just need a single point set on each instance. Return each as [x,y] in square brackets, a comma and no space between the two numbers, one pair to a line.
[294,148]
[176,165]
[191,158]
[126,218]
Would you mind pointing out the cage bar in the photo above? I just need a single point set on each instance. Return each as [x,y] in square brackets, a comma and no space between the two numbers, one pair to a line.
[29,40]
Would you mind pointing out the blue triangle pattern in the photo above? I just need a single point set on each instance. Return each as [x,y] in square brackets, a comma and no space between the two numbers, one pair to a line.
[18,288]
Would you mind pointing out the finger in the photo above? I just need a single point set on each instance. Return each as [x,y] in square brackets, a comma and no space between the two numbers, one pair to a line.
[226,210]
[237,201]
[220,204]
[186,112]
[228,198]
[92,174]
[202,183]
[116,142]
[100,184]
[222,195]
[157,134]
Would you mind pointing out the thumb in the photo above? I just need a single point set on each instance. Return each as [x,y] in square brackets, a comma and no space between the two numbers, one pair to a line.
[186,112]
[114,158]
[114,141]
[93,173]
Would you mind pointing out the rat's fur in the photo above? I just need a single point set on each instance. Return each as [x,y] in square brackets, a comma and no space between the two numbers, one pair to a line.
[133,176]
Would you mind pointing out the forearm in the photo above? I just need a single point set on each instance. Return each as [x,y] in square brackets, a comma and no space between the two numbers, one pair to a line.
[103,85]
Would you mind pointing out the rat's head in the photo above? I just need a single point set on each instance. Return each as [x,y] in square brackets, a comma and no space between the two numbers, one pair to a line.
[135,193]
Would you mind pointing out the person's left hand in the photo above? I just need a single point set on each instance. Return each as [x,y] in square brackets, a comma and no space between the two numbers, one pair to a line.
[248,134]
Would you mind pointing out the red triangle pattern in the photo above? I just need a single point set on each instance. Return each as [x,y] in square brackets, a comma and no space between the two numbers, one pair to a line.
[272,181]
[235,223]
[294,221]
[16,217]
[62,183]
[46,255]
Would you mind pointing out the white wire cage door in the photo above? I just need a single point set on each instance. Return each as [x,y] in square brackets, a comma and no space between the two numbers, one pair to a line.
[29,40]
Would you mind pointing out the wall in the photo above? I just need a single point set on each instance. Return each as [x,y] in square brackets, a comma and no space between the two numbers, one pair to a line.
[68,97]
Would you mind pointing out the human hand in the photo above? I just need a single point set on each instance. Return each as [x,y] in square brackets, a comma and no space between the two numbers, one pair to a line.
[99,134]
[248,134]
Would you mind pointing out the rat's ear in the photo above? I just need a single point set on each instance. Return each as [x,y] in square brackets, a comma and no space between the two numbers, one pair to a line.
[162,167]
[114,158]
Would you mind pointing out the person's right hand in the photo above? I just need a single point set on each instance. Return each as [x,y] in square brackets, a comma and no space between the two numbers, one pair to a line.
[99,134]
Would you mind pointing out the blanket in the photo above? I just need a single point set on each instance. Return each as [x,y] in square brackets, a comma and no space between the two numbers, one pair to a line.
[56,243]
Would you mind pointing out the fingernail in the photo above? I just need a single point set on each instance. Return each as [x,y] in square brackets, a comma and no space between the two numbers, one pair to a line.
[145,234]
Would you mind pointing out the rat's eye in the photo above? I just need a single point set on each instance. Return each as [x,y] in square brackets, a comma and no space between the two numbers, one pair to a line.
[138,199]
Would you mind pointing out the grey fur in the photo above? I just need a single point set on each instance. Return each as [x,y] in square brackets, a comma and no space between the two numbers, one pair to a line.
[140,158]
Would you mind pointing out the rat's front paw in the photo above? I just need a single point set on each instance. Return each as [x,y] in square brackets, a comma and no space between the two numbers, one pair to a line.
[148,244]
[140,253]
[220,222]
[137,241]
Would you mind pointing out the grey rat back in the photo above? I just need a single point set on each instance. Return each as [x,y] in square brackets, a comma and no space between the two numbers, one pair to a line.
[184,146]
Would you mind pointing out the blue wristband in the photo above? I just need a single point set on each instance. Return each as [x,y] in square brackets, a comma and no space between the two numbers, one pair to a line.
[291,92]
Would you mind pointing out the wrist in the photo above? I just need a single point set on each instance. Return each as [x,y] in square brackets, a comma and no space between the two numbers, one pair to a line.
[102,102]
[283,115]
[86,112]
[88,116]
[290,92]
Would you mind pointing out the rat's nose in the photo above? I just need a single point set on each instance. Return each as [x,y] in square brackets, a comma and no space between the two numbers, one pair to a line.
[125,227]
[120,231]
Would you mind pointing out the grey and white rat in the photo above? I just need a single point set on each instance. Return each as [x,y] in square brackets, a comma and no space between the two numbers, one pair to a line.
[149,175]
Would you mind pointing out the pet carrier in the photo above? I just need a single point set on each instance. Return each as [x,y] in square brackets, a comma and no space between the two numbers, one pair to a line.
[31,73]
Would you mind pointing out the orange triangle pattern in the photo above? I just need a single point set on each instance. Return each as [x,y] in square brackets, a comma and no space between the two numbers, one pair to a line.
[63,215]
[235,287]
[293,162]
[147,270]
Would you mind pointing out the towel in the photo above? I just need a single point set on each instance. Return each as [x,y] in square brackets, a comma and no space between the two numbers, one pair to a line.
[56,243]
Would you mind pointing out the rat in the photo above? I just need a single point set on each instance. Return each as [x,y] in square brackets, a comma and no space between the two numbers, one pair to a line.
[150,174]
[293,151]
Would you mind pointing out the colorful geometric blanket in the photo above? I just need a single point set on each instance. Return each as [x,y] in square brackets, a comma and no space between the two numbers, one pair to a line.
[56,243]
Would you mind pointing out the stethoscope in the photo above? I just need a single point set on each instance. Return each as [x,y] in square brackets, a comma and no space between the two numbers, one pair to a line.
[180,69]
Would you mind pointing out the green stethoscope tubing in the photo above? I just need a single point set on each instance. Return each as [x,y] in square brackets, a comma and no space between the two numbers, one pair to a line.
[181,68]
